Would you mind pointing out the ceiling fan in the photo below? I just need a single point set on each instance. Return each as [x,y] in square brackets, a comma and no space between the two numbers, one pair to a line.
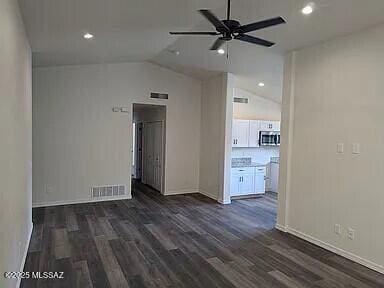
[232,29]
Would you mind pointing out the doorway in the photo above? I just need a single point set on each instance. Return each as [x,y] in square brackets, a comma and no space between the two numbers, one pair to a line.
[148,153]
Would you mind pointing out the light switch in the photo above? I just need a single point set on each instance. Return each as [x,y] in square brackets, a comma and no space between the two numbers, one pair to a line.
[340,147]
[116,109]
[356,148]
[124,109]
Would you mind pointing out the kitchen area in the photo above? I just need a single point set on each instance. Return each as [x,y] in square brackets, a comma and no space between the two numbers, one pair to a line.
[255,157]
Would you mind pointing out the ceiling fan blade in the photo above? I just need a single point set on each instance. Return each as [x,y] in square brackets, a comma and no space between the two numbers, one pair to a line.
[254,40]
[218,43]
[194,33]
[214,20]
[260,25]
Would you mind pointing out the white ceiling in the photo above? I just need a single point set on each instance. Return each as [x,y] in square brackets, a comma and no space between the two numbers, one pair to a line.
[137,30]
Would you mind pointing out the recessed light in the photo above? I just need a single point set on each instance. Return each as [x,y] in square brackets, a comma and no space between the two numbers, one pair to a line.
[221,51]
[307,9]
[261,84]
[88,36]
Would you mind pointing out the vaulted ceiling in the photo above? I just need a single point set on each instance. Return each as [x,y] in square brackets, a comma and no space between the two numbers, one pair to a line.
[137,30]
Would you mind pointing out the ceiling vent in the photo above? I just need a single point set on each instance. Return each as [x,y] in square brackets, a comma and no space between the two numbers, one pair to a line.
[108,191]
[240,100]
[159,95]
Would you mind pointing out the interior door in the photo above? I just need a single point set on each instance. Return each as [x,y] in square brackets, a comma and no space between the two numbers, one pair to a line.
[158,154]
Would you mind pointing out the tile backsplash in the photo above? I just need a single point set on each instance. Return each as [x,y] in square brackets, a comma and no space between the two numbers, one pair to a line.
[260,155]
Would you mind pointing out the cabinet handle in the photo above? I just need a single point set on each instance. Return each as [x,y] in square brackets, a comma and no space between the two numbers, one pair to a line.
[241,170]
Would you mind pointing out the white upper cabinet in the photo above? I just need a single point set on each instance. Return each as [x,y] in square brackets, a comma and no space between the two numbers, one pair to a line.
[240,133]
[269,125]
[254,129]
[245,133]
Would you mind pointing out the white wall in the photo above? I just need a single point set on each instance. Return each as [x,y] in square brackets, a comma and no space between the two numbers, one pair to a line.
[216,132]
[80,142]
[334,95]
[258,108]
[15,141]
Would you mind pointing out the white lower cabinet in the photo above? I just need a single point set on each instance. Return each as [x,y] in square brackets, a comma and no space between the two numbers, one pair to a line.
[248,181]
[260,173]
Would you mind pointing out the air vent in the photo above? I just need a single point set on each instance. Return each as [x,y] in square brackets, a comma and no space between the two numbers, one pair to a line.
[108,191]
[159,96]
[240,100]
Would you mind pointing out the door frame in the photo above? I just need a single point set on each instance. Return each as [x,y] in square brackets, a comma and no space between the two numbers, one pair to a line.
[164,141]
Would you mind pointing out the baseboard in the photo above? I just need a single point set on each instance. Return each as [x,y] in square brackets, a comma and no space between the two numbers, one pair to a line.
[181,192]
[22,264]
[281,228]
[353,257]
[79,201]
[205,193]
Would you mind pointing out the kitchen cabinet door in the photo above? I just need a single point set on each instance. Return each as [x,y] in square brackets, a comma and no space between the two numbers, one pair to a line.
[254,129]
[246,185]
[235,180]
[266,126]
[276,125]
[240,133]
[260,174]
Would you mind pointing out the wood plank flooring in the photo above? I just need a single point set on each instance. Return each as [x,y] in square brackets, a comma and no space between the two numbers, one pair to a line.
[180,241]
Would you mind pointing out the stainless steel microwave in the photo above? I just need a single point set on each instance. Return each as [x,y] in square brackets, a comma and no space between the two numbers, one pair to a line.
[269,138]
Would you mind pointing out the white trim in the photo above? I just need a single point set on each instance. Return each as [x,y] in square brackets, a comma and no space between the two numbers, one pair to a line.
[181,192]
[209,195]
[281,228]
[353,257]
[22,264]
[79,201]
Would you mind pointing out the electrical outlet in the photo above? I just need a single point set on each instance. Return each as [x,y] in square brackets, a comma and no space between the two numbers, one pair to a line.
[48,189]
[337,229]
[356,148]
[340,147]
[351,233]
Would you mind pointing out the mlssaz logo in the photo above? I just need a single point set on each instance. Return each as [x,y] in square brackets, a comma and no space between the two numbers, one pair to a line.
[48,275]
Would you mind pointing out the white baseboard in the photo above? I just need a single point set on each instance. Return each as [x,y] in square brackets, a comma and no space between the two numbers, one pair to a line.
[79,201]
[181,192]
[353,257]
[209,195]
[22,264]
[281,228]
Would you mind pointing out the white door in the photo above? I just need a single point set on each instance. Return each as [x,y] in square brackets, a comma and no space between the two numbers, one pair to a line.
[254,129]
[260,180]
[240,133]
[153,154]
[158,154]
[148,154]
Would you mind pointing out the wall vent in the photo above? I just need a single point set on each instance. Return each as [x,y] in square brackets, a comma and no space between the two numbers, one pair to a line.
[108,191]
[240,100]
[159,95]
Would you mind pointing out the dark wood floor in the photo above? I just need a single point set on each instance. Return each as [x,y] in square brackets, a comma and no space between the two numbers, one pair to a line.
[180,241]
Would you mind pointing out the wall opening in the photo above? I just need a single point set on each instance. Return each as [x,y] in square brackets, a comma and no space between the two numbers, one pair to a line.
[148,146]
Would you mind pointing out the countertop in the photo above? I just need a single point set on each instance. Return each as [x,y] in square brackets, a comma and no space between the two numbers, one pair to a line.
[242,165]
[245,162]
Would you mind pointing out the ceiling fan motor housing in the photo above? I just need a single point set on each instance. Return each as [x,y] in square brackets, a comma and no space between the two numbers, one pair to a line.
[232,25]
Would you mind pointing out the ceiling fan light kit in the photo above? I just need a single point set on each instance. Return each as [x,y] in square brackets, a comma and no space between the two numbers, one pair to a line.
[229,29]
